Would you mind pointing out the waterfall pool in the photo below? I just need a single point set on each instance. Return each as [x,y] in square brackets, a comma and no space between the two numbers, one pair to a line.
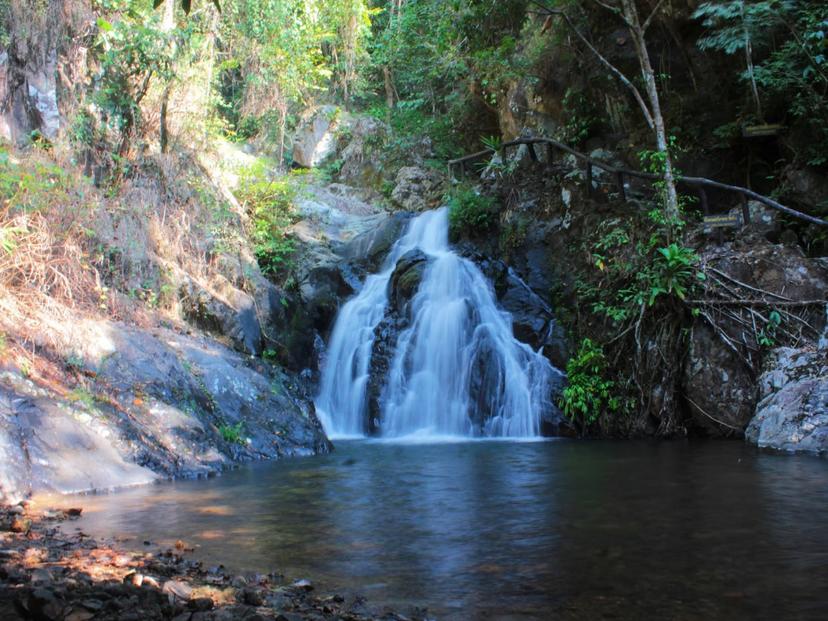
[513,530]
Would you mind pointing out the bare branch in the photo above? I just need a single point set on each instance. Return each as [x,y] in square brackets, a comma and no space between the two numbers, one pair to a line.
[612,9]
[652,15]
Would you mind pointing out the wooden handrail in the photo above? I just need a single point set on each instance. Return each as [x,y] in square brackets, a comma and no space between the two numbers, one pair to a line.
[697,182]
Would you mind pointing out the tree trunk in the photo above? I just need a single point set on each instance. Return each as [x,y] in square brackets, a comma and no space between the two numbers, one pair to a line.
[167,26]
[638,35]
[389,94]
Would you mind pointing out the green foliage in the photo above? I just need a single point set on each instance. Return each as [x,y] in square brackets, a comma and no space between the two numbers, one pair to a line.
[789,39]
[132,49]
[513,233]
[767,335]
[280,55]
[233,434]
[637,270]
[492,142]
[269,202]
[588,393]
[8,238]
[470,212]
[735,24]
[82,396]
[581,117]
[73,362]
[31,186]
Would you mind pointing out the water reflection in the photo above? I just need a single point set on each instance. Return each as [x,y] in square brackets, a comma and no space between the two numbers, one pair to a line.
[562,529]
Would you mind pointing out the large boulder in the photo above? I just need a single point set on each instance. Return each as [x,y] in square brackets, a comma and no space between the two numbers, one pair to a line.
[719,388]
[417,189]
[361,165]
[533,321]
[369,249]
[232,315]
[406,279]
[792,414]
[314,140]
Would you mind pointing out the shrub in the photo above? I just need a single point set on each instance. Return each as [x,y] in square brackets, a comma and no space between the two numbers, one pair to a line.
[233,434]
[589,392]
[470,212]
[270,205]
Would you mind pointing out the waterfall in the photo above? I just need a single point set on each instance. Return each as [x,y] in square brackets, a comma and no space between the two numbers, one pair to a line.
[456,369]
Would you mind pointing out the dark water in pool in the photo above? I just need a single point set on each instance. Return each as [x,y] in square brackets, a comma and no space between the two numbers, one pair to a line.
[499,530]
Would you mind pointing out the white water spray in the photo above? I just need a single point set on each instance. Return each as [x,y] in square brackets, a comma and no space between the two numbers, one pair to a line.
[457,370]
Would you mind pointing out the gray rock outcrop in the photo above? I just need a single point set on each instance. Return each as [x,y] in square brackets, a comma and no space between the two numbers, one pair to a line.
[314,140]
[792,414]
[416,188]
[147,404]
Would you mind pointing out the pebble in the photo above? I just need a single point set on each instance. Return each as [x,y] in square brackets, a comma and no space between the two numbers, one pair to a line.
[55,576]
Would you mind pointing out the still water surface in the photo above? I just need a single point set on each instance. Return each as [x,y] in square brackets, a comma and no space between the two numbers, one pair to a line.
[505,530]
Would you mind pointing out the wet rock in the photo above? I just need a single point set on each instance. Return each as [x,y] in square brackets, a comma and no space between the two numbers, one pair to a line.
[763,220]
[20,525]
[368,250]
[792,414]
[42,576]
[79,614]
[314,140]
[416,189]
[92,604]
[406,279]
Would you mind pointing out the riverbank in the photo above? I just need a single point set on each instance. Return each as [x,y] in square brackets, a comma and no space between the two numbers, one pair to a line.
[48,574]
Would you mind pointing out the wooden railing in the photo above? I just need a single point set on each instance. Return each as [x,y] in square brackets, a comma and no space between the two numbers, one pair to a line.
[698,184]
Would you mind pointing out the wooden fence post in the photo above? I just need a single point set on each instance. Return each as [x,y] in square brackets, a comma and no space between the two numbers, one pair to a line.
[589,177]
[745,210]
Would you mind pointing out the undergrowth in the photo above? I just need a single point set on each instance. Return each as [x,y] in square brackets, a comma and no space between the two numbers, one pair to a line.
[269,202]
[469,212]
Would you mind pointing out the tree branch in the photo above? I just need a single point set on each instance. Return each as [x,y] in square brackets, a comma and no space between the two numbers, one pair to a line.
[613,69]
[652,15]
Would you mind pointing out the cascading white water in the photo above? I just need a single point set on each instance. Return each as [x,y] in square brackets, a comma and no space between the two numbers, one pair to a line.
[456,370]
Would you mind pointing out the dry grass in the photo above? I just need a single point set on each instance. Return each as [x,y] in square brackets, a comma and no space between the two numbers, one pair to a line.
[69,250]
